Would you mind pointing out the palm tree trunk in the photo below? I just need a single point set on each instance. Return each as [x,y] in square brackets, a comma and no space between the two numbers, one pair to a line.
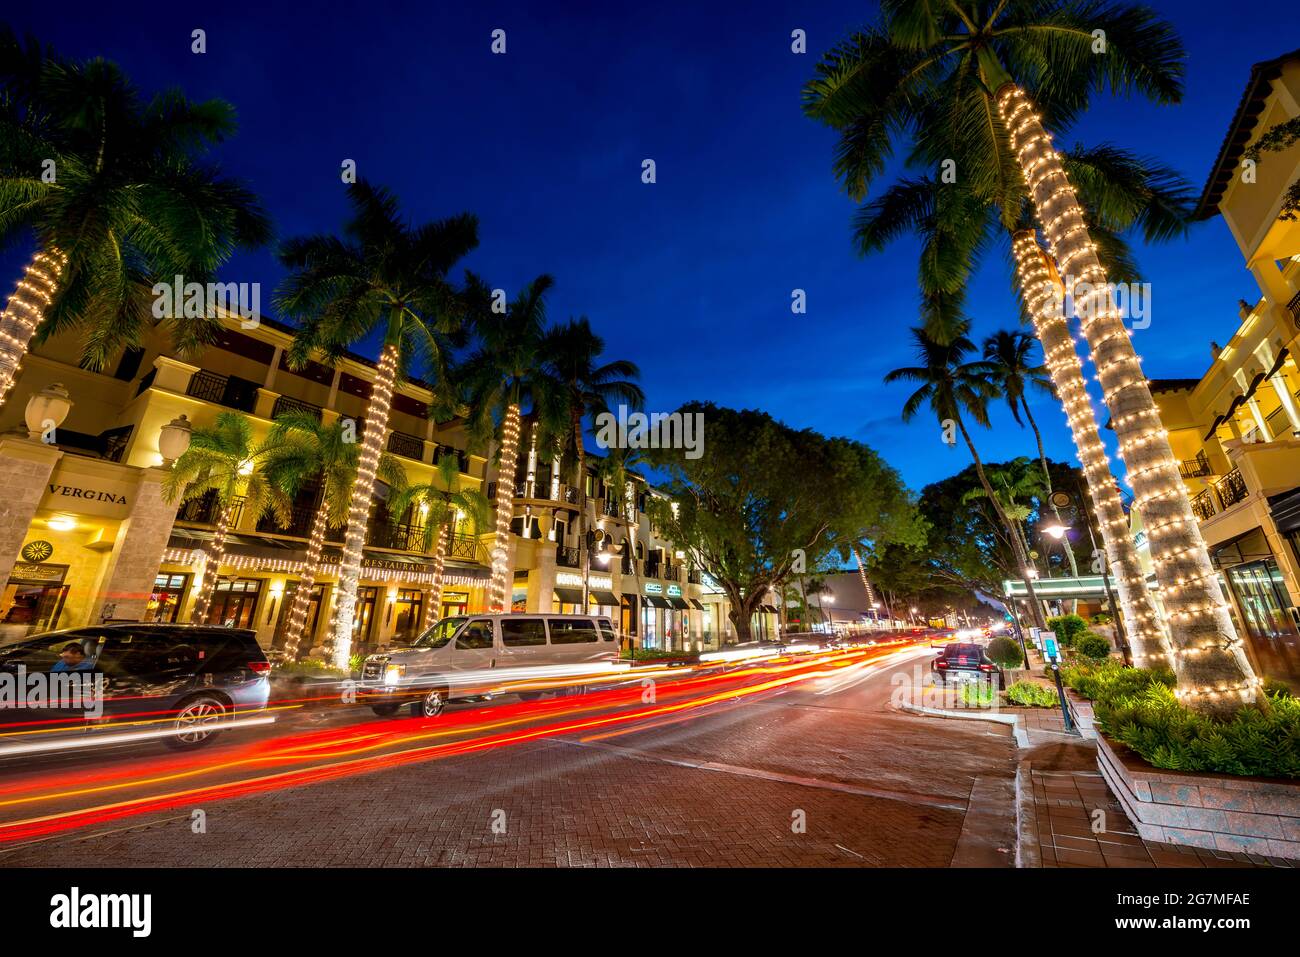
[307,580]
[1214,676]
[1017,549]
[1047,485]
[498,597]
[363,491]
[580,455]
[439,563]
[26,311]
[1042,300]
[213,554]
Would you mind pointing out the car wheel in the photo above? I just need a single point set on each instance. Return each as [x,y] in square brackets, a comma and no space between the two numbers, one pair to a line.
[385,710]
[432,704]
[197,722]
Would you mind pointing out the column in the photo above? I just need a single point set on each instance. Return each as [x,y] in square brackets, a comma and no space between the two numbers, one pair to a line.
[141,539]
[26,466]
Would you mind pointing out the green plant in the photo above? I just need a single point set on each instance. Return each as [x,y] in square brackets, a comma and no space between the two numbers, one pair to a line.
[307,666]
[356,660]
[1031,695]
[1092,646]
[1006,652]
[1276,689]
[1111,679]
[656,654]
[1263,742]
[1067,628]
[977,694]
[1101,618]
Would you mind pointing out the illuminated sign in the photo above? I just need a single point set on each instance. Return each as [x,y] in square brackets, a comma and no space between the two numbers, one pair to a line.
[654,588]
[674,591]
[601,582]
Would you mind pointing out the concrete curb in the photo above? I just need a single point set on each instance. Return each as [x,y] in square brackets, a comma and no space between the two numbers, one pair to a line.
[1017,728]
[1027,850]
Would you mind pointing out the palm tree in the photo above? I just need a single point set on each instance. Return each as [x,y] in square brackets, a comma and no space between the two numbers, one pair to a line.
[387,276]
[953,58]
[309,449]
[616,470]
[1009,352]
[503,376]
[952,387]
[442,504]
[130,203]
[572,353]
[225,460]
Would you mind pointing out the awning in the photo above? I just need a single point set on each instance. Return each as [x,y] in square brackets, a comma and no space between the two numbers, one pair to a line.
[654,601]
[1285,509]
[695,602]
[677,602]
[604,597]
[569,596]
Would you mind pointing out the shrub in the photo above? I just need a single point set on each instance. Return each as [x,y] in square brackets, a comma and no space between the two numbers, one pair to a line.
[1092,646]
[977,694]
[307,666]
[1031,695]
[1006,652]
[1067,628]
[1277,689]
[1110,679]
[1101,618]
[1255,741]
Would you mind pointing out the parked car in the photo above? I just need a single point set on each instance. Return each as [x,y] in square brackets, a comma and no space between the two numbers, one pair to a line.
[962,661]
[433,670]
[177,683]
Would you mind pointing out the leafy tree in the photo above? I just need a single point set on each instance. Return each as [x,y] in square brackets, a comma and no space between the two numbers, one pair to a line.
[747,515]
[1276,140]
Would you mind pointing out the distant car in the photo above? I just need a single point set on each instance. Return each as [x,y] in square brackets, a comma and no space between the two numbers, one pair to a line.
[178,683]
[963,661]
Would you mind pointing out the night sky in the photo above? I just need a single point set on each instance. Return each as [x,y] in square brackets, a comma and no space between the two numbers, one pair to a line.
[690,277]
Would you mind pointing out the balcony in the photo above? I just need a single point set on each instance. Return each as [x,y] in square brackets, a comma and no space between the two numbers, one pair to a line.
[1195,468]
[286,405]
[407,446]
[567,555]
[1294,307]
[1231,489]
[402,537]
[542,491]
[205,510]
[230,391]
[693,576]
[1203,505]
[461,456]
[465,548]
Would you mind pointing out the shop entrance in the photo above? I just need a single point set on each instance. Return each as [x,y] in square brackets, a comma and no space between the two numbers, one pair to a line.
[33,600]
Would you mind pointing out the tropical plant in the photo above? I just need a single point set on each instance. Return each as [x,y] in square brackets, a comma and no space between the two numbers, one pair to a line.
[226,461]
[119,196]
[1278,139]
[1005,652]
[389,276]
[966,61]
[955,389]
[308,449]
[1067,628]
[502,378]
[1092,646]
[442,505]
[571,353]
[1029,694]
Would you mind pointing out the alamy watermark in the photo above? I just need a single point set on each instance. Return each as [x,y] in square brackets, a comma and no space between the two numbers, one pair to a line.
[655,430]
[1132,300]
[66,690]
[179,299]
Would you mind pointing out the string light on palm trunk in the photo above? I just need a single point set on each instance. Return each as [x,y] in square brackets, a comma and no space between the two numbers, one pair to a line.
[363,491]
[1042,293]
[504,510]
[1204,643]
[213,557]
[302,596]
[25,311]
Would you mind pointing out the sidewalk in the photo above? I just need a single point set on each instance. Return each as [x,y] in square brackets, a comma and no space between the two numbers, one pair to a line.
[1059,794]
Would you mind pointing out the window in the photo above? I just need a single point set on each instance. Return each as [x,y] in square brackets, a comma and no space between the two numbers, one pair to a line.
[522,632]
[477,634]
[158,657]
[606,629]
[439,634]
[166,598]
[572,631]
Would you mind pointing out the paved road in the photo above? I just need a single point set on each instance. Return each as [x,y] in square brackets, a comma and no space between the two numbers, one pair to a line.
[819,772]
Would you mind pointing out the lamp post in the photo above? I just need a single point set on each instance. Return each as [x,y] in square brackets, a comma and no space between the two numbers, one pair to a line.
[602,556]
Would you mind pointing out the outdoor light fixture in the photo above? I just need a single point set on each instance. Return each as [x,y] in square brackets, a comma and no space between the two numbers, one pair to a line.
[1056,531]
[174,439]
[62,523]
[47,409]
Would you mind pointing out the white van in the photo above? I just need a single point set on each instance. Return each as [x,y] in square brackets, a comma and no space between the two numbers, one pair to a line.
[465,652]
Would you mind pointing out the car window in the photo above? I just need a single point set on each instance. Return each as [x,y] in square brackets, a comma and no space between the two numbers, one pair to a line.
[157,656]
[522,632]
[572,631]
[438,634]
[477,634]
[964,651]
[606,629]
[43,653]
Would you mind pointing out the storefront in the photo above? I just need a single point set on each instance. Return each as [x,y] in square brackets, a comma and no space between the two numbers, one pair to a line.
[1262,604]
[33,599]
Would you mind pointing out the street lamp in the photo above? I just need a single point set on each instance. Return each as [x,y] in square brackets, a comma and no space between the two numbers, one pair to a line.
[602,556]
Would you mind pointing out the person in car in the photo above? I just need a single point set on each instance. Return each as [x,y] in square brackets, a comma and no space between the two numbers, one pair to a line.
[72,658]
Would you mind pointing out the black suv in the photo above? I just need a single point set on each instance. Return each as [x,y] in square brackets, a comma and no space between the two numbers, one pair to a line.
[179,683]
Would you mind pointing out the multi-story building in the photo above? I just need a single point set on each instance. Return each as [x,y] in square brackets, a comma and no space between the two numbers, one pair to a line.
[1237,427]
[87,535]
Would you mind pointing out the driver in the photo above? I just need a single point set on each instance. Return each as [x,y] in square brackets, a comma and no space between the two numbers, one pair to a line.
[72,658]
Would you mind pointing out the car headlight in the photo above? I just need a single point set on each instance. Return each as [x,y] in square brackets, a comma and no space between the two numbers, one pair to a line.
[394,673]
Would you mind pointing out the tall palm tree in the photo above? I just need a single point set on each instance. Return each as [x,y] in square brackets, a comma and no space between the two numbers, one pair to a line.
[309,449]
[442,505]
[131,202]
[504,376]
[958,57]
[954,389]
[225,459]
[385,276]
[572,354]
[1010,353]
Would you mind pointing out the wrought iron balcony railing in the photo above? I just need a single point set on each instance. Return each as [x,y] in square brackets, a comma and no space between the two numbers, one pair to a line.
[408,446]
[567,555]
[1195,468]
[1203,504]
[230,391]
[1231,488]
[286,403]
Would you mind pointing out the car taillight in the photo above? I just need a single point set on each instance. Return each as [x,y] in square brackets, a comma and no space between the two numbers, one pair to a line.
[940,663]
[986,667]
[259,667]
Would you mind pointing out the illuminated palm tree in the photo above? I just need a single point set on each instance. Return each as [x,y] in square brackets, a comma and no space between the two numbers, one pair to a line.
[442,506]
[956,58]
[308,449]
[225,461]
[955,389]
[118,196]
[387,276]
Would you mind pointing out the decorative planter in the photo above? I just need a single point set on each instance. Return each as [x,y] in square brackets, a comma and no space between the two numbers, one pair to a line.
[1200,809]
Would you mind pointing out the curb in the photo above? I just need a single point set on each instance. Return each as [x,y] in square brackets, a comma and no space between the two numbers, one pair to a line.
[1027,850]
[1017,729]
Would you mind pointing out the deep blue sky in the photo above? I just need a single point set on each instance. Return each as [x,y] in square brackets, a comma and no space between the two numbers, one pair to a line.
[690,277]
